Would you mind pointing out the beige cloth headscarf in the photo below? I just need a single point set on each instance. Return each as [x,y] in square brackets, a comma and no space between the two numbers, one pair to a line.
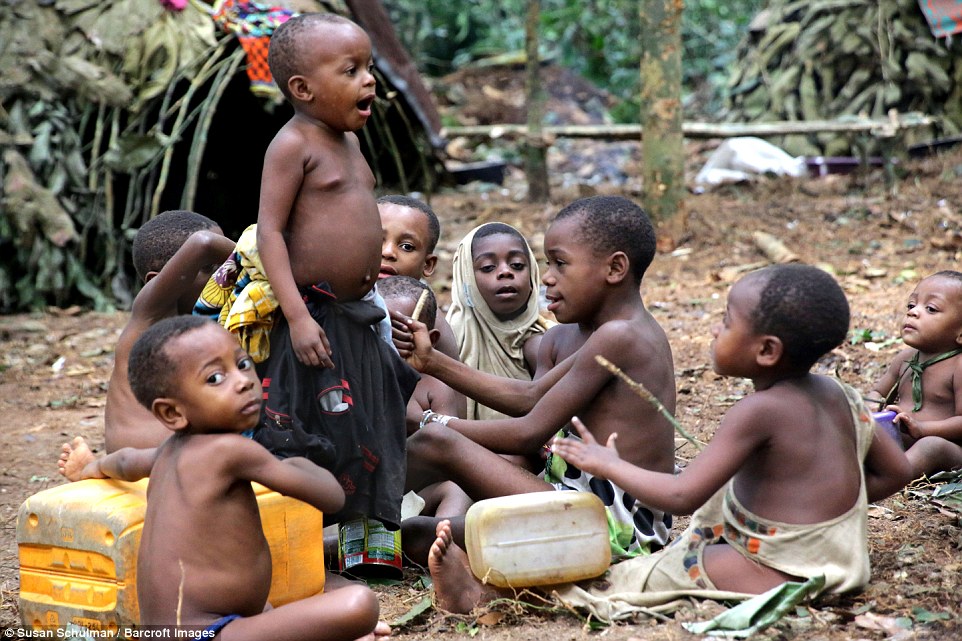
[485,342]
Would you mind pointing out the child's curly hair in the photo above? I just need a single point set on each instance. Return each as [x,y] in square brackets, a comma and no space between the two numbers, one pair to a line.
[803,306]
[609,224]
[159,238]
[151,371]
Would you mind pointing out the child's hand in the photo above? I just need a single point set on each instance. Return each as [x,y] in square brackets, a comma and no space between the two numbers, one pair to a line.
[905,422]
[412,341]
[587,454]
[310,343]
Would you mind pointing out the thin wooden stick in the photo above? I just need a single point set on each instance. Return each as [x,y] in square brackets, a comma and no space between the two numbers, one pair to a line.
[420,304]
[180,591]
[643,392]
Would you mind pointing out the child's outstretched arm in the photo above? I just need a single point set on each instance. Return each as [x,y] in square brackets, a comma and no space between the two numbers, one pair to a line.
[126,464]
[296,477]
[676,494]
[177,279]
[511,396]
[887,470]
[280,183]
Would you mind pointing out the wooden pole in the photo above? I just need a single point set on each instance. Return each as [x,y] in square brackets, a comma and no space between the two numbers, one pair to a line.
[877,127]
[536,162]
[662,152]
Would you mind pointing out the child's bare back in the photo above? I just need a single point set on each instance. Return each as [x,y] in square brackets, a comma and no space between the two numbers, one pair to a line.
[802,436]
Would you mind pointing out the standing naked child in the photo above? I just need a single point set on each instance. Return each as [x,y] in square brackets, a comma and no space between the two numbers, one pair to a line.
[598,250]
[782,489]
[334,391]
[201,385]
[929,372]
[174,253]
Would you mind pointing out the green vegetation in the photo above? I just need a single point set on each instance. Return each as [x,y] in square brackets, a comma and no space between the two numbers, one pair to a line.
[598,39]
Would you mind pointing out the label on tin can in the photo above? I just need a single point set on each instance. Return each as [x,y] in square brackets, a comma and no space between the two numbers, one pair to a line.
[366,547]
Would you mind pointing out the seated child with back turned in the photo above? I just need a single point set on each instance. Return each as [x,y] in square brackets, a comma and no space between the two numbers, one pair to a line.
[334,391]
[929,372]
[201,385]
[173,253]
[598,249]
[781,491]
[401,294]
[444,499]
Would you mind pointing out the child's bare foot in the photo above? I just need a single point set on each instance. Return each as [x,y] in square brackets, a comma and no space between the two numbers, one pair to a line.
[74,458]
[455,587]
[381,630]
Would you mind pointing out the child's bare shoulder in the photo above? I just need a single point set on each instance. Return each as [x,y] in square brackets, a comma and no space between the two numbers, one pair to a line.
[903,355]
[290,138]
[631,335]
[228,453]
[792,403]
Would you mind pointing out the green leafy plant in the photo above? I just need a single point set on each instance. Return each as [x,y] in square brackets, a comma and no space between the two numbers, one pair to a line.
[597,39]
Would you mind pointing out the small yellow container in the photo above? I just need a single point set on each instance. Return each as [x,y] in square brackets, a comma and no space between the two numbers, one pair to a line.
[537,539]
[78,547]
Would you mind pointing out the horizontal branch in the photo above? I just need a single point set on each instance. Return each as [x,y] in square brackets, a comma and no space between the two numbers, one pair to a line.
[878,127]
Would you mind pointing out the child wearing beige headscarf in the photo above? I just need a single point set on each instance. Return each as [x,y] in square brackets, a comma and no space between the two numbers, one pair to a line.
[494,309]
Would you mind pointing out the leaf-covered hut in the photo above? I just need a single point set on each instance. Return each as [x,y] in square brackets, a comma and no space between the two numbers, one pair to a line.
[112,111]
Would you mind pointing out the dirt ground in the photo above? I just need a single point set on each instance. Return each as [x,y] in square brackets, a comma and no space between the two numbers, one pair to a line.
[54,369]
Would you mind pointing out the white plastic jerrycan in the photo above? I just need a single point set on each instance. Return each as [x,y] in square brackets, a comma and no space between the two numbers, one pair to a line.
[537,539]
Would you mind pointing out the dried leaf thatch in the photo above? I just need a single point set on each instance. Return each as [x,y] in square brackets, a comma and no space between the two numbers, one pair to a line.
[839,58]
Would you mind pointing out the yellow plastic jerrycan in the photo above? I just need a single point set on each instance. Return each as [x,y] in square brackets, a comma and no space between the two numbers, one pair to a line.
[78,547]
[537,539]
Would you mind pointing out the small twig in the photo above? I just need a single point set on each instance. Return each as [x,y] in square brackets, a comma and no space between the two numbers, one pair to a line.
[420,304]
[643,392]
[180,590]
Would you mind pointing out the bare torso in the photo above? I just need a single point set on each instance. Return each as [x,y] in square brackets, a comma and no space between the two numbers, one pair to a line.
[645,438]
[938,387]
[334,229]
[190,501]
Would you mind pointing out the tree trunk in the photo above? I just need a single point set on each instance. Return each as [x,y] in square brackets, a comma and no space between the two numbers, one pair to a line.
[662,152]
[536,163]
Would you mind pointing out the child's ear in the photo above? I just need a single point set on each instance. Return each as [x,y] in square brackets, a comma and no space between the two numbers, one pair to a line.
[149,276]
[430,264]
[167,411]
[770,352]
[618,266]
[299,88]
[435,335]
